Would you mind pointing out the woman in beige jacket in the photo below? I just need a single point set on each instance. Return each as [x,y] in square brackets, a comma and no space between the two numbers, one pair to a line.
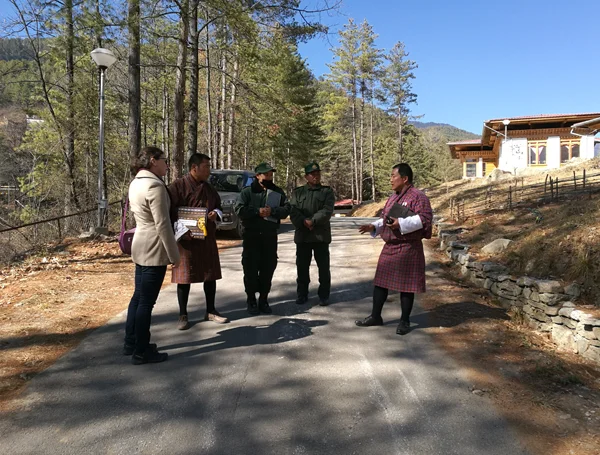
[153,248]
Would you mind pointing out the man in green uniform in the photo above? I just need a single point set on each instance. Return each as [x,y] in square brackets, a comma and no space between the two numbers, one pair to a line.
[260,207]
[311,209]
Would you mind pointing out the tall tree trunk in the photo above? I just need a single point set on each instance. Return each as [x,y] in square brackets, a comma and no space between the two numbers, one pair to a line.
[167,129]
[209,120]
[222,112]
[70,191]
[400,145]
[371,150]
[354,149]
[362,141]
[217,128]
[192,143]
[179,101]
[231,125]
[99,29]
[246,145]
[134,91]
[287,170]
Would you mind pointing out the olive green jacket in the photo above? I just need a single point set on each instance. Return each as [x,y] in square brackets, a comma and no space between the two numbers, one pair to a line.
[253,198]
[315,204]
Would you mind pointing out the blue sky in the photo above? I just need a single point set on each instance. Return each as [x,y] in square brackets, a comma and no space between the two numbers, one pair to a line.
[481,60]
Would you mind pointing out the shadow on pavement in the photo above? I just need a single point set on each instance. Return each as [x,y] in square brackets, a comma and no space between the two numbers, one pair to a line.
[280,331]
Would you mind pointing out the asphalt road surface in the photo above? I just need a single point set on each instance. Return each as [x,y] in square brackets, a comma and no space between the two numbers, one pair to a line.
[304,380]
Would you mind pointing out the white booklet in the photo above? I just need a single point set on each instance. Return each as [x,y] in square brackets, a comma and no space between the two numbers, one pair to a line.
[273,200]
[180,229]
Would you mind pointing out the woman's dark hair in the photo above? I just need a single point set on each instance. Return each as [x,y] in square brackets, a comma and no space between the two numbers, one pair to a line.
[142,160]
[404,170]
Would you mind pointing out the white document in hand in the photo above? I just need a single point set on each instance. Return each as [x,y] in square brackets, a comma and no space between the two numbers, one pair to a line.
[180,229]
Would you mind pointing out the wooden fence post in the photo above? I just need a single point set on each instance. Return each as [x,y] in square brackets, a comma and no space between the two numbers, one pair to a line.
[574,181]
[557,188]
[584,179]
[510,197]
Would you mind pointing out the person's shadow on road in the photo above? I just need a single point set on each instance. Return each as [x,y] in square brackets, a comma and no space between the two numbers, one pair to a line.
[280,331]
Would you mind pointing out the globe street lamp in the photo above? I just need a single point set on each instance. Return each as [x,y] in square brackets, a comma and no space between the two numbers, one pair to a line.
[104,59]
[506,123]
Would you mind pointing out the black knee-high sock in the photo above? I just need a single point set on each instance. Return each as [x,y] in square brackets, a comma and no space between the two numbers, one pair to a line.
[183,293]
[210,290]
[406,303]
[380,295]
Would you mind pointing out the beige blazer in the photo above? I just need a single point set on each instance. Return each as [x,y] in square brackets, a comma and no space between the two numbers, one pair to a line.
[153,242]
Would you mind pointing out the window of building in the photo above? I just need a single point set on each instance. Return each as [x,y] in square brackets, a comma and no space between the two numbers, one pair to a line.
[471,170]
[537,153]
[569,148]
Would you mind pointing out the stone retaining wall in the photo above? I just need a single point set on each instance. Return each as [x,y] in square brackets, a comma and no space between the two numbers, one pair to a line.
[546,305]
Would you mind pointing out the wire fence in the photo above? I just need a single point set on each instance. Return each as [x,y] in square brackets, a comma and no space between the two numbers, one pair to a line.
[514,193]
[15,241]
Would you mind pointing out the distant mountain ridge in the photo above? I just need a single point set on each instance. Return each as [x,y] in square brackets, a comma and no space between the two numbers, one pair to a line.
[443,130]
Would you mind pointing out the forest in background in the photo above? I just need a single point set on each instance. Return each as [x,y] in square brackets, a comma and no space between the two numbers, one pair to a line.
[222,77]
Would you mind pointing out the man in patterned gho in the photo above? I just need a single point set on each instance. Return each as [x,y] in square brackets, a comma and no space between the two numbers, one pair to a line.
[199,257]
[401,265]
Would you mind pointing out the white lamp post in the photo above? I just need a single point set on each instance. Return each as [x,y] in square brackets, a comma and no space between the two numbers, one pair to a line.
[506,122]
[104,59]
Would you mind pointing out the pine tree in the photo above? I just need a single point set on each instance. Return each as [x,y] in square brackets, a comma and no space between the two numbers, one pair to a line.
[397,83]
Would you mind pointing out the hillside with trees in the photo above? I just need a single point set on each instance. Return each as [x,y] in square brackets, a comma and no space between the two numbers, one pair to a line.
[220,77]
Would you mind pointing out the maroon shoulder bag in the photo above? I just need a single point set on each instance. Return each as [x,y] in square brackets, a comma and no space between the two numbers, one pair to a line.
[125,237]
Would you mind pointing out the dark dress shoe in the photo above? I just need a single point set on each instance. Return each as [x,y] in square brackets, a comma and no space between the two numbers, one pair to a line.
[323,302]
[128,349]
[263,307]
[253,308]
[150,356]
[301,300]
[403,328]
[369,321]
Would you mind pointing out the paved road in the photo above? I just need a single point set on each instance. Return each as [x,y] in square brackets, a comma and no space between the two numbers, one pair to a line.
[301,381]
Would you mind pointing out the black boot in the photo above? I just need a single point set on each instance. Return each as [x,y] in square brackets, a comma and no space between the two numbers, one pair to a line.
[252,305]
[403,328]
[149,356]
[263,306]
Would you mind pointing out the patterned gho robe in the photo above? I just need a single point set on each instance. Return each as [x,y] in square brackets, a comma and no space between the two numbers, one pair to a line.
[401,265]
[199,257]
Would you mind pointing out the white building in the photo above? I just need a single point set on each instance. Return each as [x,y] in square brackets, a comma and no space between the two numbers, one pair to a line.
[539,141]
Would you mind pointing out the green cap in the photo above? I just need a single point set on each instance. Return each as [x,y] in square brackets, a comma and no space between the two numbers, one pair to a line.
[311,167]
[263,168]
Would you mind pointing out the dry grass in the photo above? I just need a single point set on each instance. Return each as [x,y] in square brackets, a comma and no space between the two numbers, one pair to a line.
[559,240]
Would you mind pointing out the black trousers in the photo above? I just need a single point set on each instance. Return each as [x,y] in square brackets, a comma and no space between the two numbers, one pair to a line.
[259,261]
[148,280]
[304,252]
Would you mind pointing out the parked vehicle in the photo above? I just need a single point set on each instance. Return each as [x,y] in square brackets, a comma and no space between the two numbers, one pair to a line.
[229,183]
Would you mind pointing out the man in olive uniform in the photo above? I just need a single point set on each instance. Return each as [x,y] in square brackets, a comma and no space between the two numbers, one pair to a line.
[260,208]
[310,212]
